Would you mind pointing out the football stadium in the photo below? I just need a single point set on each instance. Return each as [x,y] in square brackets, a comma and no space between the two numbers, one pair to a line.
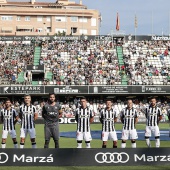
[72,98]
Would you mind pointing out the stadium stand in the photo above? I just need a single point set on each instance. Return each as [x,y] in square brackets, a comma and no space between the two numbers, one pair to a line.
[147,62]
[87,62]
[14,57]
[80,63]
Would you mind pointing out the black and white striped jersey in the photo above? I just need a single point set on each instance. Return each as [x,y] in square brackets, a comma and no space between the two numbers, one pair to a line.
[83,119]
[27,116]
[152,115]
[107,118]
[128,116]
[8,118]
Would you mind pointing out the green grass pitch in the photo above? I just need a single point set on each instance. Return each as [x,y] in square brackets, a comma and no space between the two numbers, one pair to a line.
[95,143]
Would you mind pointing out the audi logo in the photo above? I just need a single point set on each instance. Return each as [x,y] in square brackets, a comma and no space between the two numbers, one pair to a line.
[114,157]
[3,158]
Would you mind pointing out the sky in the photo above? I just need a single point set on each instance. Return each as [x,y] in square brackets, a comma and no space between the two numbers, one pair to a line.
[153,16]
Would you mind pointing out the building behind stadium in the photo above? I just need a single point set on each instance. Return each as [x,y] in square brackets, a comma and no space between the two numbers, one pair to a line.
[47,18]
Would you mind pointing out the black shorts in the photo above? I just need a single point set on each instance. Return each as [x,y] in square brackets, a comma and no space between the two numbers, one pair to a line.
[51,131]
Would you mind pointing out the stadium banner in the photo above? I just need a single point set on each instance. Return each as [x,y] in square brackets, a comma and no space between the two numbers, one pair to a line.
[114,37]
[11,38]
[39,68]
[72,120]
[62,120]
[20,89]
[67,120]
[85,157]
[66,89]
[110,89]
[155,89]
[106,89]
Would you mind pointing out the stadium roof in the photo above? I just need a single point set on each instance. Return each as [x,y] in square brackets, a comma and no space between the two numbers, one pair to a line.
[42,3]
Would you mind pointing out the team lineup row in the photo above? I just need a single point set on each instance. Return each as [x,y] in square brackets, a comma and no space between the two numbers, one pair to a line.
[52,111]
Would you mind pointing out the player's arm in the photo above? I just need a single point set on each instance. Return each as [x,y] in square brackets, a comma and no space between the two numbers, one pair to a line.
[35,114]
[43,112]
[160,115]
[136,117]
[2,119]
[121,116]
[1,115]
[20,113]
[76,115]
[101,117]
[168,113]
[91,116]
[16,119]
[91,119]
[136,120]
[122,120]
[116,115]
[60,111]
[115,119]
[146,112]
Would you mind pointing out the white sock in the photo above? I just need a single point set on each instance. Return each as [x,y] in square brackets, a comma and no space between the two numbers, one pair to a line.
[148,142]
[34,145]
[157,143]
[123,145]
[22,146]
[16,145]
[3,145]
[133,145]
[88,145]
[79,145]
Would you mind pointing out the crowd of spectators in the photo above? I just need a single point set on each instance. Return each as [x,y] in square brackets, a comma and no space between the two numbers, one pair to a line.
[89,62]
[14,57]
[81,62]
[146,61]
